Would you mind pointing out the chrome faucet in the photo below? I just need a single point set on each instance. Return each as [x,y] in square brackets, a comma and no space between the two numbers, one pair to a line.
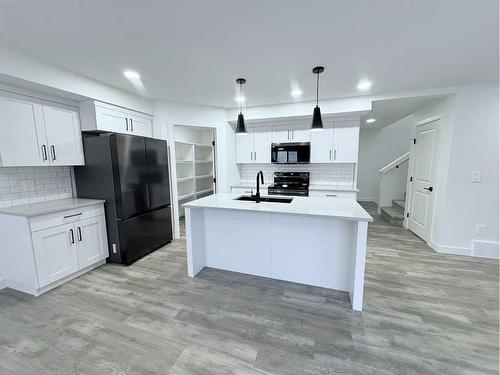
[257,194]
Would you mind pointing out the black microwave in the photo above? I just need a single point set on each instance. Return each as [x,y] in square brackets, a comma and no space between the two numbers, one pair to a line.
[290,153]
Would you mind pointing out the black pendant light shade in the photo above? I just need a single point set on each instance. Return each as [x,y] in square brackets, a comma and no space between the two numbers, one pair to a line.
[317,122]
[240,127]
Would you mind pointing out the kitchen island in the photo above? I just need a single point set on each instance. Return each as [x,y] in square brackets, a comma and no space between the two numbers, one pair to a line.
[318,241]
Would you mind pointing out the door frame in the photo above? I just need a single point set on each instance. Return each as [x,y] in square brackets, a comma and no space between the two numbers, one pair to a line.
[411,171]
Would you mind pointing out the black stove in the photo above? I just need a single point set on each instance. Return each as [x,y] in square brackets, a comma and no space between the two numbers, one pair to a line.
[290,183]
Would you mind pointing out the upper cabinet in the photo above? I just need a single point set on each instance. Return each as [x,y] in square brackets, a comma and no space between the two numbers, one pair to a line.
[293,133]
[36,132]
[337,143]
[255,146]
[97,116]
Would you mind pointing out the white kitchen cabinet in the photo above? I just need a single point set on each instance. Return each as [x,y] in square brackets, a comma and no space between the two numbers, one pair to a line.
[55,253]
[333,194]
[64,138]
[37,132]
[255,147]
[103,117]
[293,133]
[336,143]
[51,242]
[22,140]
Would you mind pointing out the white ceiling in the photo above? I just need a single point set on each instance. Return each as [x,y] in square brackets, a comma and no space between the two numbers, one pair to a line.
[386,112]
[192,51]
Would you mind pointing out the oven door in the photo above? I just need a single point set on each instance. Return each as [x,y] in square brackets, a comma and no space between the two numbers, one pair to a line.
[290,153]
[289,192]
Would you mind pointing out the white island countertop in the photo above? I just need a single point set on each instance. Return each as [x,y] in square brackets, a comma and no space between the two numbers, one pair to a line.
[346,209]
[48,207]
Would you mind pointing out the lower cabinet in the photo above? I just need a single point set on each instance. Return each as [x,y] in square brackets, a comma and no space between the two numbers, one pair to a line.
[247,190]
[333,194]
[47,250]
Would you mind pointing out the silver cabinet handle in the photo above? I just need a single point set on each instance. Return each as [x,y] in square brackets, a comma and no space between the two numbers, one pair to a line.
[293,134]
[126,124]
[254,155]
[332,195]
[53,151]
[44,152]
[334,154]
[79,232]
[288,134]
[72,236]
[251,155]
[330,155]
[131,125]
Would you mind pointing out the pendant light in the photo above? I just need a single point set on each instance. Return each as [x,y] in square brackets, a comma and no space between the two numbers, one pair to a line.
[317,122]
[240,127]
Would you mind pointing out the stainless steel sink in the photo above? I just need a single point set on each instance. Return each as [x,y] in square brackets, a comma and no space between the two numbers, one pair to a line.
[250,198]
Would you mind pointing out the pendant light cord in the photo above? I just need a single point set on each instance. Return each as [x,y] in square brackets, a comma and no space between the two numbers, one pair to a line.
[241,98]
[317,88]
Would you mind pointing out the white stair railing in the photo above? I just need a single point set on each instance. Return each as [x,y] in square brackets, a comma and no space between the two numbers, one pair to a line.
[395,163]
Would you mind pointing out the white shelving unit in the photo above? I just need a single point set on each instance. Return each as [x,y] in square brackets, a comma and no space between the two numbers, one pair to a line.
[194,164]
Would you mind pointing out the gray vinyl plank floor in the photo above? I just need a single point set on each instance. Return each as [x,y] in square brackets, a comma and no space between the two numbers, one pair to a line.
[424,313]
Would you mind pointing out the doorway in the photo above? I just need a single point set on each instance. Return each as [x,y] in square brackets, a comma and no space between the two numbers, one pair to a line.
[425,155]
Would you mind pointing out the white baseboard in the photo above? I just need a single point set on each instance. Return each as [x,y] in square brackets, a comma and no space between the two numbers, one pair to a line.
[482,249]
[486,249]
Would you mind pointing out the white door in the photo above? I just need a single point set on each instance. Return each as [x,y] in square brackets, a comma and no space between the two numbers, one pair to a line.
[422,187]
[111,120]
[92,245]
[262,139]
[55,253]
[281,134]
[244,147]
[346,141]
[22,134]
[140,126]
[322,145]
[64,137]
[301,133]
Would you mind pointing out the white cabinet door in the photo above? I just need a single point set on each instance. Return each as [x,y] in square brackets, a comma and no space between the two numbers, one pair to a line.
[346,141]
[300,133]
[111,120]
[139,125]
[244,147]
[22,134]
[55,253]
[322,146]
[92,245]
[281,134]
[262,139]
[64,138]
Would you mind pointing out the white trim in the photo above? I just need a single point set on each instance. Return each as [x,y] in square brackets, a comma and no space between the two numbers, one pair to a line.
[429,119]
[395,163]
[451,250]
[479,249]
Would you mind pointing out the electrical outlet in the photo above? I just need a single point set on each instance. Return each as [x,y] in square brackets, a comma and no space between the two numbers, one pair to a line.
[481,229]
[476,176]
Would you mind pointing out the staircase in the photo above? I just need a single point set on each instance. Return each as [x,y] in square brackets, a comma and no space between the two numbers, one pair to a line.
[395,214]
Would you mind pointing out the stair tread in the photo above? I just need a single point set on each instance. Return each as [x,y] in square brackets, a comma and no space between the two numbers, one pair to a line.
[399,202]
[393,212]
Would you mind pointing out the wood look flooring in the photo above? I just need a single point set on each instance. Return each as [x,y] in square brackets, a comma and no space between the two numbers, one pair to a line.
[424,313]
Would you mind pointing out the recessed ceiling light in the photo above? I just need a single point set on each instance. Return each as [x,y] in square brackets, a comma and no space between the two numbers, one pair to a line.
[132,75]
[364,85]
[370,120]
[240,99]
[297,93]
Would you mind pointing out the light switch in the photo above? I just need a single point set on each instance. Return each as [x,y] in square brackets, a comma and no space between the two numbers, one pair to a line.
[476,176]
[481,229]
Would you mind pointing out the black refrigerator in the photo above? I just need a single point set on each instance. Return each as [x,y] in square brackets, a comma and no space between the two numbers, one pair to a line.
[131,174]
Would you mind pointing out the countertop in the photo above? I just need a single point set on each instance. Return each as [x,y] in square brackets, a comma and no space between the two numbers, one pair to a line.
[338,187]
[48,207]
[347,209]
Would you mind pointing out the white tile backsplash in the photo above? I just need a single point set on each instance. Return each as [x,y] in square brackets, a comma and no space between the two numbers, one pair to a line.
[23,185]
[320,174]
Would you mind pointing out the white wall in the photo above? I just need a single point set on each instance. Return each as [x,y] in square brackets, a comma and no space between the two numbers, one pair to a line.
[377,148]
[470,143]
[14,64]
[168,114]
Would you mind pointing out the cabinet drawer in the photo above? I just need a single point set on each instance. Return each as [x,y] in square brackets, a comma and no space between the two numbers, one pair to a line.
[333,194]
[64,217]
